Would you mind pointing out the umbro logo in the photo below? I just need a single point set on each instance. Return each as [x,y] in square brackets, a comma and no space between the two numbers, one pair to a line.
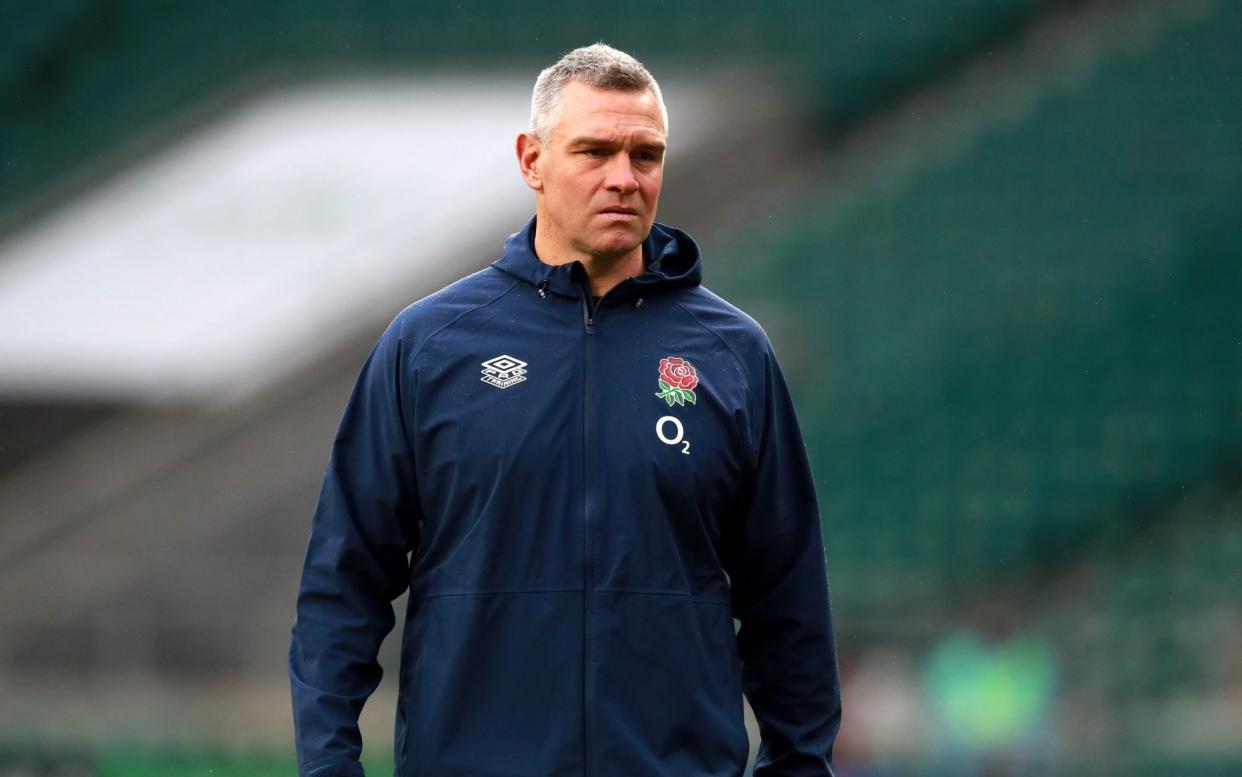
[503,371]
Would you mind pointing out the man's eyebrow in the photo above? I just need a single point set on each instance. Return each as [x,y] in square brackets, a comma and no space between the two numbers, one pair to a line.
[585,140]
[590,141]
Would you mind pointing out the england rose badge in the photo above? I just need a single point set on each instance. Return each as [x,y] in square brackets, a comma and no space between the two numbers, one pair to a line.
[677,381]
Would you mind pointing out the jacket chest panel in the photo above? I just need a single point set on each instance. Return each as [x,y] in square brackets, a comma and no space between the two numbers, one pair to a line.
[498,443]
[670,473]
[538,443]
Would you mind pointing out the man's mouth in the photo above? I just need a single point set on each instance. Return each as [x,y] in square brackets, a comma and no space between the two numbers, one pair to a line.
[619,211]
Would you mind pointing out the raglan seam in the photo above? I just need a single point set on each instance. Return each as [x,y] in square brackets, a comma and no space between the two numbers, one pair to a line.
[736,357]
[414,355]
[741,365]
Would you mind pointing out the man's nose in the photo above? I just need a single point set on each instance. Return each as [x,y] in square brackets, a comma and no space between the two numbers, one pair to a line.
[621,175]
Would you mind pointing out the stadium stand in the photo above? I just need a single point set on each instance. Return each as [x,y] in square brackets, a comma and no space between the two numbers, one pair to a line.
[1003,355]
[1149,633]
[87,80]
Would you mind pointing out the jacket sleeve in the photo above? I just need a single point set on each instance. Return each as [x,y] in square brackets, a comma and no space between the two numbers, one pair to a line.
[365,523]
[779,590]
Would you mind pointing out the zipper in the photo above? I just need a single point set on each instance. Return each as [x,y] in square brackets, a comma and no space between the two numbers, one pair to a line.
[588,583]
[589,312]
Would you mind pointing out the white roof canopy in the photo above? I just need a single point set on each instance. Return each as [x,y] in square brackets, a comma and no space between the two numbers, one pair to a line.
[213,267]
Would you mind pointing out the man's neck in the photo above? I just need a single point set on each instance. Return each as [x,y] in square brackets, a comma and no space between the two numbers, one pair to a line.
[603,270]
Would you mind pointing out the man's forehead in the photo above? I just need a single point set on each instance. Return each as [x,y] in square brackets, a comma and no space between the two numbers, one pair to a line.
[584,105]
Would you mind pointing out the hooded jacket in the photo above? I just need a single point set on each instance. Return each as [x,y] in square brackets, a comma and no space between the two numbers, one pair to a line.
[581,497]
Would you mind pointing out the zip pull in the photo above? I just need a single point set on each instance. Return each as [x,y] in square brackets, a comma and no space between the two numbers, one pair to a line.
[588,317]
[639,303]
[543,285]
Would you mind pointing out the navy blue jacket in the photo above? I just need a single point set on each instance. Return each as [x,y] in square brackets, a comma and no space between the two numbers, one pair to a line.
[581,497]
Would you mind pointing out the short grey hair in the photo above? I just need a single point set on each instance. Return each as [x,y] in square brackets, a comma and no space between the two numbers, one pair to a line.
[598,65]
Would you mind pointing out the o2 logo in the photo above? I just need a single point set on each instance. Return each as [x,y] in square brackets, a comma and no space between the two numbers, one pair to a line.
[679,433]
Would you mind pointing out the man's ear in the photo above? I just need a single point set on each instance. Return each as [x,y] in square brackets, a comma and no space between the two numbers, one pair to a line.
[529,154]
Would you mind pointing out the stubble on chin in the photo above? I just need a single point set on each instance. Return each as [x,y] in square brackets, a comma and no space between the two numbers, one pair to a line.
[612,246]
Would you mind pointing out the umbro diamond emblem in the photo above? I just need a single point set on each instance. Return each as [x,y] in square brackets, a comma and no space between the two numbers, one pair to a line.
[503,371]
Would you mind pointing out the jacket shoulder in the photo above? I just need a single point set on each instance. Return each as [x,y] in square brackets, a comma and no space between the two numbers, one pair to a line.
[739,331]
[748,341]
[421,319]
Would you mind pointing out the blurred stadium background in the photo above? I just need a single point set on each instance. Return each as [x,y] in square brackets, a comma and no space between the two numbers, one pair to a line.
[995,244]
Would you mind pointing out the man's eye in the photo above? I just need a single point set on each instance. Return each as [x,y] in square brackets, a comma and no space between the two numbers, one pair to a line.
[593,152]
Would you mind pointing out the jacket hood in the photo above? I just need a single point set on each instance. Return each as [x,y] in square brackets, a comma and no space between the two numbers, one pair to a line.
[671,258]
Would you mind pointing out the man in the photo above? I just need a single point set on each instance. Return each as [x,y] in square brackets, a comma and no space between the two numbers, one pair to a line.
[584,466]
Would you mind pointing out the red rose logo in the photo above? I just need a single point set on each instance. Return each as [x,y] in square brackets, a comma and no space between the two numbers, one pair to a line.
[678,373]
[677,381]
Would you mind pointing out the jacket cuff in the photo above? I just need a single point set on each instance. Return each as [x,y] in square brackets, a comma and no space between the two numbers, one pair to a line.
[334,766]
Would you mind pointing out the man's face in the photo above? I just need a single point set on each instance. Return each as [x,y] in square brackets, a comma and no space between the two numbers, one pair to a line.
[599,177]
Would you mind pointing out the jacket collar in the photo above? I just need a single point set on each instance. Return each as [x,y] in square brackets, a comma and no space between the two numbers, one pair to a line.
[671,258]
